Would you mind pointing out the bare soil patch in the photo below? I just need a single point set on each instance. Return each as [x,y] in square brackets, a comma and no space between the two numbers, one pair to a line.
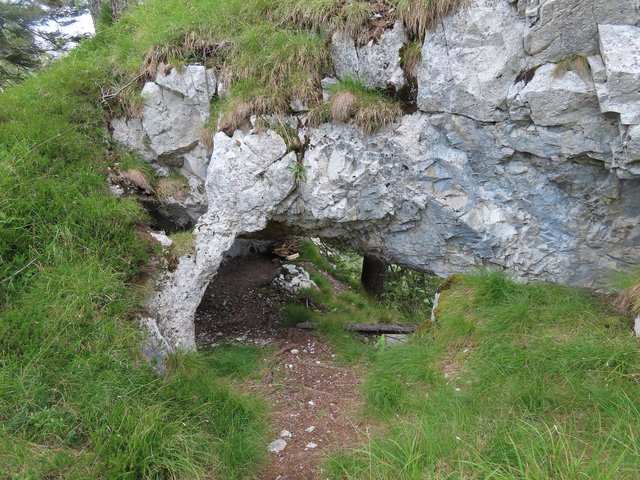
[314,401]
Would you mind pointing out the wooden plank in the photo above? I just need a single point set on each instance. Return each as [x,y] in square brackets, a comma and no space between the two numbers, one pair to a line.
[367,327]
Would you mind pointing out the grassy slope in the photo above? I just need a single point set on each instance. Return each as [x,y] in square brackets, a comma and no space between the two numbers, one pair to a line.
[76,400]
[543,383]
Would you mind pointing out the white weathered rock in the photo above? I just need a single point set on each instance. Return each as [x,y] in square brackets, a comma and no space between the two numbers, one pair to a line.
[377,63]
[195,83]
[636,326]
[540,177]
[162,239]
[277,446]
[247,176]
[171,125]
[551,100]
[292,279]
[174,112]
[561,28]
[470,61]
[130,134]
[439,193]
[620,49]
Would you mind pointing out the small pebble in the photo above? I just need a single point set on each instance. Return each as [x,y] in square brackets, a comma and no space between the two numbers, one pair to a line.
[310,429]
[312,403]
[285,433]
[277,446]
[295,351]
[311,445]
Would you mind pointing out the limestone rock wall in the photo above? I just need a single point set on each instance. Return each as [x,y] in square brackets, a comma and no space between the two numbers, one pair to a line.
[524,154]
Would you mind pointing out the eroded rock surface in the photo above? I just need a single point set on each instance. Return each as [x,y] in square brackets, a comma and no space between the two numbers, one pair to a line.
[516,158]
[377,63]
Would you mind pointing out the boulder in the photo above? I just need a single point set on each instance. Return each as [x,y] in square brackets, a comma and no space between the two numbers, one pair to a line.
[377,63]
[620,91]
[470,61]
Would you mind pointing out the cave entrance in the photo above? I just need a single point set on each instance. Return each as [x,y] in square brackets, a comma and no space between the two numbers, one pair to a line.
[239,304]
[251,297]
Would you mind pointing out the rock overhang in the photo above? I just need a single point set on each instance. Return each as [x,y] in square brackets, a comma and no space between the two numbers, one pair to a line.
[538,176]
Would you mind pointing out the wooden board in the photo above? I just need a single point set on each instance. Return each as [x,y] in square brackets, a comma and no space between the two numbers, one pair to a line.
[368,327]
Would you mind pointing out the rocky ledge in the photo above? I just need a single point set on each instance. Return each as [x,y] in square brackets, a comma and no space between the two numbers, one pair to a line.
[524,154]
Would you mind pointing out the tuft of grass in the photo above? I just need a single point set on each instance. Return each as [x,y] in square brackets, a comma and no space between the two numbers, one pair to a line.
[175,187]
[184,243]
[490,286]
[344,106]
[411,57]
[419,16]
[573,63]
[369,110]
[138,178]
[296,313]
[289,135]
[236,361]
[355,19]
[628,285]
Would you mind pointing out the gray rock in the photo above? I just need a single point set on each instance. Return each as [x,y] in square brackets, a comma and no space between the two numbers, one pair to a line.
[394,339]
[471,60]
[540,177]
[293,279]
[171,125]
[439,193]
[194,82]
[327,84]
[377,63]
[162,239]
[175,110]
[561,28]
[620,48]
[130,134]
[277,446]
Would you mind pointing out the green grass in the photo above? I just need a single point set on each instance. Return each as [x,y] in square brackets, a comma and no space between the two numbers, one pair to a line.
[369,110]
[77,400]
[542,383]
[184,243]
[236,361]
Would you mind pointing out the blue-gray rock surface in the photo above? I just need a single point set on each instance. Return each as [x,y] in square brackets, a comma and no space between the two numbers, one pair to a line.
[511,160]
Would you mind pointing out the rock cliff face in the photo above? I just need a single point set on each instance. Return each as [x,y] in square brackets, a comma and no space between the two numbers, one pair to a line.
[524,153]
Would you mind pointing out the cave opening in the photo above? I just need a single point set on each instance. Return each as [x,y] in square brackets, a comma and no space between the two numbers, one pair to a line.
[264,288]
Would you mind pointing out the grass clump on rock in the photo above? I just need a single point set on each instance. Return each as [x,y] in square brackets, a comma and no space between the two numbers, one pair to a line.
[573,63]
[369,110]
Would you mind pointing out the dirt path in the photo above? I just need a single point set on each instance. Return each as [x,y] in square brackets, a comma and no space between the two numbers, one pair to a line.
[313,400]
